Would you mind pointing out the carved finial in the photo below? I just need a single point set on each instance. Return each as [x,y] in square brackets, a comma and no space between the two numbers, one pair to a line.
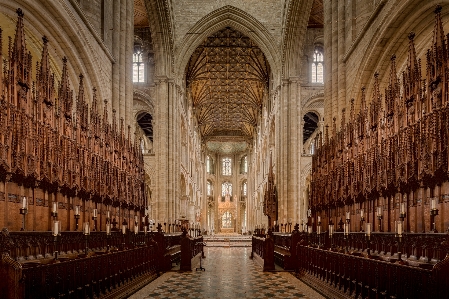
[20,13]
[376,75]
[393,57]
[437,9]
[411,35]
[363,100]
[45,39]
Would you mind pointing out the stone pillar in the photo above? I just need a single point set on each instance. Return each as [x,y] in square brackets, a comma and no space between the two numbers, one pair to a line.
[161,141]
[116,54]
[334,61]
[121,61]
[128,71]
[341,64]
[328,79]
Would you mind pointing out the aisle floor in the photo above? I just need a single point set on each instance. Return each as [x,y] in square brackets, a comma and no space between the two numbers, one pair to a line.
[230,273]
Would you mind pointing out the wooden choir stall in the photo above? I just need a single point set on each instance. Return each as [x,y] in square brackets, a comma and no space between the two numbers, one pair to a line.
[378,225]
[72,198]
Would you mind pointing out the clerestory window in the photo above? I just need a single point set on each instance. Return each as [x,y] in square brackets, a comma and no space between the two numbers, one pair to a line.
[138,67]
[317,66]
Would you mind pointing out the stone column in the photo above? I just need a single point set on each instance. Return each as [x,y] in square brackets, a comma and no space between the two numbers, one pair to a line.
[116,54]
[161,142]
[341,64]
[328,79]
[128,71]
[121,61]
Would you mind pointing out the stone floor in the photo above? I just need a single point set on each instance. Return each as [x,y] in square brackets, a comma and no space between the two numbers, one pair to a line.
[230,273]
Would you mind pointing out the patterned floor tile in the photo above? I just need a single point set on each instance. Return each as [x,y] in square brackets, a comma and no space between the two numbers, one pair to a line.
[229,274]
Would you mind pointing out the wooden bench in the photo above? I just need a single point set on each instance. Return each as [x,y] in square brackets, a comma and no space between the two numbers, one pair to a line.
[285,248]
[262,249]
[102,271]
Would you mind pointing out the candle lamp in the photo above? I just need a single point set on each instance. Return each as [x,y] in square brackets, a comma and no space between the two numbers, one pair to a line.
[362,219]
[23,211]
[346,231]
[331,233]
[318,231]
[124,228]
[399,230]
[379,217]
[402,213]
[433,214]
[108,234]
[86,232]
[77,216]
[368,237]
[94,218]
[136,228]
[56,231]
[54,210]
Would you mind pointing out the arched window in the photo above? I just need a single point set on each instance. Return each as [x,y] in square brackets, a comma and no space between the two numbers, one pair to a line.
[226,189]
[138,66]
[317,66]
[208,164]
[244,165]
[244,188]
[227,169]
[312,148]
[209,188]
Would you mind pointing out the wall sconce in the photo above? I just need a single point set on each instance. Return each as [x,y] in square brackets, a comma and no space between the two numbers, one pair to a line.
[23,211]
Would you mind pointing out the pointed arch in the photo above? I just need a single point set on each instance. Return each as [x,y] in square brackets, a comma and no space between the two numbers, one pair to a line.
[227,16]
[160,17]
[390,37]
[293,35]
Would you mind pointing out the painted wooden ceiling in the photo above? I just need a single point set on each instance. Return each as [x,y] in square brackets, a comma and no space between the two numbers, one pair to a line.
[227,78]
[316,19]
[140,14]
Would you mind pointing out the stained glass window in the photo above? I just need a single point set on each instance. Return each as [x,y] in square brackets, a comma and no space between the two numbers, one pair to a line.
[227,170]
[317,67]
[244,188]
[226,188]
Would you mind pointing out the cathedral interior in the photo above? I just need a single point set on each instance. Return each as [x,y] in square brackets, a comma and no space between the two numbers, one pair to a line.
[309,135]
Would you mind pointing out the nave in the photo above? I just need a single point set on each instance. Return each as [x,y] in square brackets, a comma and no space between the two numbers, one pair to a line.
[230,273]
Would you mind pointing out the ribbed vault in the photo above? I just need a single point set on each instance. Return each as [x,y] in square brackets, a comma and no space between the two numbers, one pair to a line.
[227,77]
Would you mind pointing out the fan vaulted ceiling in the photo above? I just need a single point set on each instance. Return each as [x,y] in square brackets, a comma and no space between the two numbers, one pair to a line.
[228,78]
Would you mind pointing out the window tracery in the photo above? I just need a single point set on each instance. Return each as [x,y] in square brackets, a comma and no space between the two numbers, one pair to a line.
[317,66]
[227,167]
[226,189]
[138,67]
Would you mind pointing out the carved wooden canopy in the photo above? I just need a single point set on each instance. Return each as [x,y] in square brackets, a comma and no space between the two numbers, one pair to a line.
[227,80]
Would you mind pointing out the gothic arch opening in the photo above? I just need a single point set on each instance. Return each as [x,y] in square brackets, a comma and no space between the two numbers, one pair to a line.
[311,120]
